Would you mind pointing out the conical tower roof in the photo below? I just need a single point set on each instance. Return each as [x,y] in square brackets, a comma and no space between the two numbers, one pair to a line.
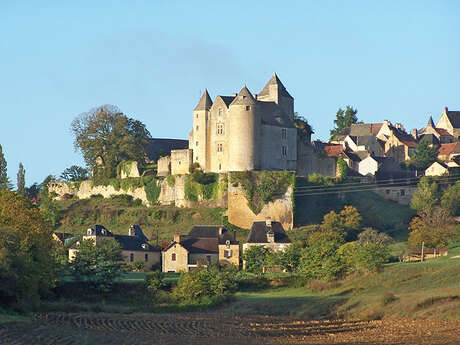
[274,80]
[430,122]
[244,97]
[205,102]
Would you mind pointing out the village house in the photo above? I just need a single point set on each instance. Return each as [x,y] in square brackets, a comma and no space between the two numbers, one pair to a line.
[450,121]
[134,246]
[433,134]
[204,244]
[448,152]
[268,234]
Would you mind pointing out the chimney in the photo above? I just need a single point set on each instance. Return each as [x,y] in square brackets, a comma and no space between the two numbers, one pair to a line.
[271,236]
[415,133]
[268,222]
[445,110]
[131,231]
[220,230]
[176,237]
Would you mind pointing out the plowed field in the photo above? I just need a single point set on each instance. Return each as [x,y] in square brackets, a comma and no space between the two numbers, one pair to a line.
[221,329]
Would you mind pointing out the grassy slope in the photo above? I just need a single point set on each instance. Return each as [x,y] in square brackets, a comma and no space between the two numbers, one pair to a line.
[118,215]
[425,290]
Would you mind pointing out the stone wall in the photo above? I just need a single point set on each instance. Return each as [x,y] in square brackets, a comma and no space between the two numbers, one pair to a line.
[239,213]
[164,166]
[181,160]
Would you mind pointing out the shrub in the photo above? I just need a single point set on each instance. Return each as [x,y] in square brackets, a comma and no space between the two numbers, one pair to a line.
[154,281]
[152,189]
[255,258]
[138,266]
[171,180]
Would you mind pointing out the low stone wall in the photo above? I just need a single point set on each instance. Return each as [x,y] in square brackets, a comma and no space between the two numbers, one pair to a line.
[241,215]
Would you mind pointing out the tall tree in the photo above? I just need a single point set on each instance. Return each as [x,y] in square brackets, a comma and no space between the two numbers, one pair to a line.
[4,181]
[344,118]
[106,137]
[424,155]
[74,173]
[21,179]
[426,196]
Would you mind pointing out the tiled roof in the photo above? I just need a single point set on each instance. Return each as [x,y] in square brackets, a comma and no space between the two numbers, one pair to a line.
[447,149]
[258,233]
[443,132]
[333,150]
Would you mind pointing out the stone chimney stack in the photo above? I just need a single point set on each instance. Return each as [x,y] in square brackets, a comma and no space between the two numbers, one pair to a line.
[415,133]
[221,229]
[131,231]
[271,236]
[176,237]
[268,222]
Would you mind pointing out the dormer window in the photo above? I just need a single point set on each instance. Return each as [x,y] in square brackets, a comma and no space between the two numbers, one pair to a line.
[243,97]
[248,108]
[103,232]
[144,246]
[89,232]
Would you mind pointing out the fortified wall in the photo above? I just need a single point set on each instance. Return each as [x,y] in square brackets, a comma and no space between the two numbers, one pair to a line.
[174,192]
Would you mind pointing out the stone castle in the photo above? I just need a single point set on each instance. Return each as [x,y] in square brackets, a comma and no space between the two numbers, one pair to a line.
[241,132]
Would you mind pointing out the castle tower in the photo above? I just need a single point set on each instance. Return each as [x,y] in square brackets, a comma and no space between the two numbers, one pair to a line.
[274,91]
[430,122]
[199,133]
[244,132]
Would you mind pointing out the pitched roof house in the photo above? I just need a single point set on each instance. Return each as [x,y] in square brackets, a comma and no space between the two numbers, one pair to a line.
[450,121]
[134,246]
[204,244]
[268,234]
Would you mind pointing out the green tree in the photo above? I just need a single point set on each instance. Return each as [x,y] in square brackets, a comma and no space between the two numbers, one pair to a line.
[450,200]
[154,281]
[47,205]
[107,137]
[97,265]
[27,260]
[424,155]
[4,180]
[304,129]
[289,258]
[255,258]
[372,252]
[344,118]
[435,227]
[21,185]
[343,168]
[75,173]
[426,196]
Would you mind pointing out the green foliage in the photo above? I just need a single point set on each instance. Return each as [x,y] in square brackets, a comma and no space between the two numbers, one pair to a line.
[450,200]
[21,185]
[211,282]
[117,138]
[204,185]
[344,118]
[171,180]
[343,168]
[138,265]
[4,181]
[27,259]
[424,155]
[255,258]
[155,281]
[322,180]
[426,196]
[190,189]
[152,189]
[289,258]
[97,265]
[125,167]
[304,129]
[262,187]
[74,174]
[47,205]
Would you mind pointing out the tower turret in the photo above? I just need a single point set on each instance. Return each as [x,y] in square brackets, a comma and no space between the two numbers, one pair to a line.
[274,91]
[199,137]
[244,132]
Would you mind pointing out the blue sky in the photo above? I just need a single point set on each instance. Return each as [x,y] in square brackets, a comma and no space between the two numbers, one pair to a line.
[395,60]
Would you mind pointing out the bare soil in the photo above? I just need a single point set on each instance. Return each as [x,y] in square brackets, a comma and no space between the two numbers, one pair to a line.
[221,329]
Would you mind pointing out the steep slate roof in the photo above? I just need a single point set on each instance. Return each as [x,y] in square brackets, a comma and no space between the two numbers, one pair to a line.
[133,243]
[258,233]
[358,156]
[100,230]
[430,122]
[404,137]
[212,231]
[244,97]
[201,245]
[205,102]
[274,80]
[160,146]
[359,130]
[454,118]
[227,99]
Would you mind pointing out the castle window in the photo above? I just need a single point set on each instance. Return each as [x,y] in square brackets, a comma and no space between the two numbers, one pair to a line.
[196,143]
[220,147]
[173,257]
[220,111]
[220,128]
[248,108]
[197,127]
[220,166]
[197,115]
[283,133]
[196,158]
[284,150]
